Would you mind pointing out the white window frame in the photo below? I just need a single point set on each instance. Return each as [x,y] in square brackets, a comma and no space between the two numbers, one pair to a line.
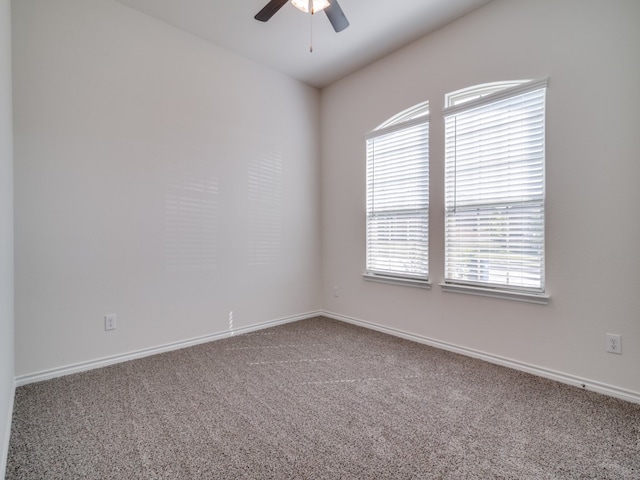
[465,102]
[408,264]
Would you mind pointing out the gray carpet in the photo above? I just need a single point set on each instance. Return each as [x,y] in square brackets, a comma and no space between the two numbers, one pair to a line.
[317,399]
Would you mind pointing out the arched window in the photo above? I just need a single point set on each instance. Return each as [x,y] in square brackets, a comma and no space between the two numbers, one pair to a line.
[495,188]
[398,198]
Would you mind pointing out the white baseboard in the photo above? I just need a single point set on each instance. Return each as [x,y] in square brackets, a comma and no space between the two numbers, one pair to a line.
[565,378]
[125,357]
[7,435]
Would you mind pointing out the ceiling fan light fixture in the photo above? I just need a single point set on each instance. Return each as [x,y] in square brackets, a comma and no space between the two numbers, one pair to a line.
[317,5]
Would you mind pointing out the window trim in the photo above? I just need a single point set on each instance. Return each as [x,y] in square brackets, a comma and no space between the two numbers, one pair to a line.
[523,87]
[397,280]
[418,111]
[396,127]
[479,92]
[540,298]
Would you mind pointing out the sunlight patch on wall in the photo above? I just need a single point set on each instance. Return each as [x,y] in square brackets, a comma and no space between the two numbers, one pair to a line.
[191,218]
[265,208]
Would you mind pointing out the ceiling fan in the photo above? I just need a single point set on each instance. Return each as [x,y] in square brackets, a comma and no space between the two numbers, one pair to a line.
[331,7]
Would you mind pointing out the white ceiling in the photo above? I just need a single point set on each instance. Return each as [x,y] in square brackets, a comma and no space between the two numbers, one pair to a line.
[377,28]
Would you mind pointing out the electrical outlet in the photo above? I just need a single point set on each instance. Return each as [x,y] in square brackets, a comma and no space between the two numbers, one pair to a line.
[336,291]
[614,344]
[110,321]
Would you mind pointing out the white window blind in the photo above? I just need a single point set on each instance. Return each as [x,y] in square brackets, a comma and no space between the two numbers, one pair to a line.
[495,189]
[398,196]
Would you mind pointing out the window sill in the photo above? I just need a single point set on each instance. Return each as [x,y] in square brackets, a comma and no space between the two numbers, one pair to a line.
[407,282]
[529,297]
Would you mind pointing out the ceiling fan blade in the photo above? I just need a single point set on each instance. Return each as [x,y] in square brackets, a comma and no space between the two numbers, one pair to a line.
[270,10]
[336,16]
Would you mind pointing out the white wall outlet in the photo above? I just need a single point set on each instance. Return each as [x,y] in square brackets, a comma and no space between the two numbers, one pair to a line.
[336,291]
[614,344]
[110,321]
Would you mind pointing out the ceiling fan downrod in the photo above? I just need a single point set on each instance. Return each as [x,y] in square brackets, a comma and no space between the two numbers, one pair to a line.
[311,11]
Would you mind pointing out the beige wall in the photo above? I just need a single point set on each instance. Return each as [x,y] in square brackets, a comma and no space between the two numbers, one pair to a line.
[178,185]
[589,51]
[157,177]
[6,234]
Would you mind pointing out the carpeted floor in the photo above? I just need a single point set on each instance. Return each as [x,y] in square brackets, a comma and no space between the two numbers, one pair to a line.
[317,399]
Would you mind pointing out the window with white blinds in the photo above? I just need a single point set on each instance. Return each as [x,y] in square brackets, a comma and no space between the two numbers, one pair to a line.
[495,187]
[398,197]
